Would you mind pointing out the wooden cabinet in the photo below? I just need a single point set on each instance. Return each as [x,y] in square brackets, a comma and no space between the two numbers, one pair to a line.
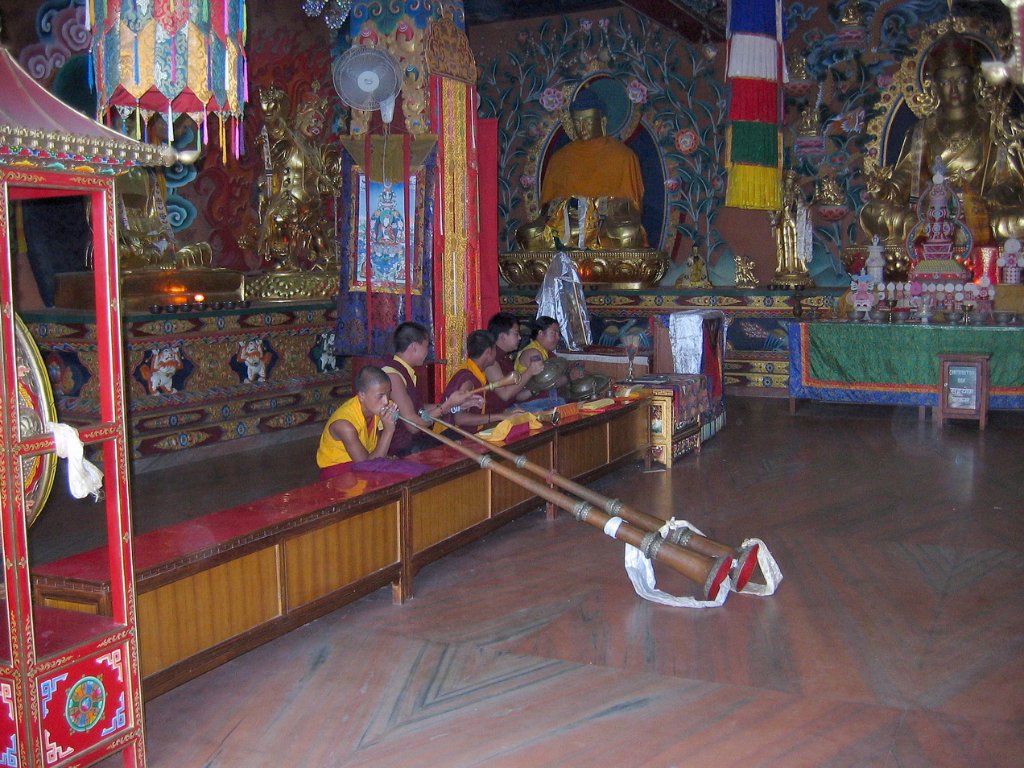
[70,680]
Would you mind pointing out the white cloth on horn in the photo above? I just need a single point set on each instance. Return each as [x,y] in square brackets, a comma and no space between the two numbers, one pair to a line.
[641,573]
[770,568]
[83,476]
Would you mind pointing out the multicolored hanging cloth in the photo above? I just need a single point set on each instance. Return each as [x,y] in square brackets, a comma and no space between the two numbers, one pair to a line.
[755,71]
[171,57]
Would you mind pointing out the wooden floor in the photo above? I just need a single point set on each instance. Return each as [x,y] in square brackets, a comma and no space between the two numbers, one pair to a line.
[896,638]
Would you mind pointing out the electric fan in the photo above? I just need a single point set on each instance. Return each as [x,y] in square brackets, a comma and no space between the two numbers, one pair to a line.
[367,78]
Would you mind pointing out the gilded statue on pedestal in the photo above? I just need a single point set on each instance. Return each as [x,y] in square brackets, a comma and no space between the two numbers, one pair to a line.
[968,129]
[302,173]
[791,225]
[592,190]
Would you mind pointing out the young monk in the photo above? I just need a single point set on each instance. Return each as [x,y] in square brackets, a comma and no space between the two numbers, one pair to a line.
[412,344]
[361,428]
[480,352]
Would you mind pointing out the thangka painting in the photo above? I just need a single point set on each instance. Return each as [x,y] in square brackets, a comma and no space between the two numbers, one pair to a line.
[389,225]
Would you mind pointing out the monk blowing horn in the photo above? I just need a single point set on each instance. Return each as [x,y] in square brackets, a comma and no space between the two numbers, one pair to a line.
[709,572]
[743,559]
[512,378]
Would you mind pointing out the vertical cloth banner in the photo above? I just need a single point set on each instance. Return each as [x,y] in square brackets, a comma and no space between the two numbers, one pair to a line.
[755,71]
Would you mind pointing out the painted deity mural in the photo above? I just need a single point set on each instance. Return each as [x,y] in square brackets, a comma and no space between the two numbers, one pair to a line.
[841,55]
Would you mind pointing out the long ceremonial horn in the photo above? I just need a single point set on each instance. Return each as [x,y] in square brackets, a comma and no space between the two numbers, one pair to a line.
[744,559]
[512,378]
[707,571]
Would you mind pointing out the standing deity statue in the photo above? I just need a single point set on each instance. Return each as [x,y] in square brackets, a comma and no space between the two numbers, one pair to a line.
[592,189]
[301,174]
[791,225]
[977,142]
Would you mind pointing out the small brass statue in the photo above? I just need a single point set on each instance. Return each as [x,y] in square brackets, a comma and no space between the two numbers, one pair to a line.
[828,192]
[592,190]
[745,272]
[695,275]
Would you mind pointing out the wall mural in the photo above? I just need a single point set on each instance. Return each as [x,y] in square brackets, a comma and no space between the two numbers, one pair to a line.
[671,111]
[840,54]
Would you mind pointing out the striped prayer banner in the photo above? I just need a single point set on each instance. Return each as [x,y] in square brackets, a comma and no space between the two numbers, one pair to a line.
[755,71]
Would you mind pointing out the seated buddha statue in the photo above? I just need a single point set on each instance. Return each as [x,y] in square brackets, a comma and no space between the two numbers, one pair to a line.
[977,144]
[592,189]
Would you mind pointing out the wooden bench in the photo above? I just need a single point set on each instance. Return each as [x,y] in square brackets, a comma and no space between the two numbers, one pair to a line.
[214,587]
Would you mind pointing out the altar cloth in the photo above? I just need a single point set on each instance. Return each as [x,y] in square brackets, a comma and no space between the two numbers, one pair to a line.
[898,364]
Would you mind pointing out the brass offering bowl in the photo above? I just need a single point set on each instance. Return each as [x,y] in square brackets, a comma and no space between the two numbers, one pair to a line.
[590,386]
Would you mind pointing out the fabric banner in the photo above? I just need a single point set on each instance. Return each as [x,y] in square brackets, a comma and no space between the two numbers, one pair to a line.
[487,136]
[385,225]
[366,319]
[754,100]
[755,72]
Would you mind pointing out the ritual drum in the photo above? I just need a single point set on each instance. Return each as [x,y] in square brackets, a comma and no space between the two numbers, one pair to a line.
[35,409]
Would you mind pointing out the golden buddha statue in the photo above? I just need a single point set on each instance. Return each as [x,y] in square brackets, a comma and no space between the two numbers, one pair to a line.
[976,142]
[592,190]
[792,229]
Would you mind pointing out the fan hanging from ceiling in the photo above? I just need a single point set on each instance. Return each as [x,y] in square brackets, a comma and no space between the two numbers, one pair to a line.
[368,78]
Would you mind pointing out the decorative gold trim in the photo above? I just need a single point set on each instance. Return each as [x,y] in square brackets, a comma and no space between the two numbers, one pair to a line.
[50,149]
[640,268]
[291,286]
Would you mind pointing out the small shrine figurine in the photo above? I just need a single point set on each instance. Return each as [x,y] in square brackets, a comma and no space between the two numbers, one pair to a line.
[696,274]
[852,16]
[808,125]
[745,272]
[1011,261]
[875,264]
[863,299]
[797,65]
[827,192]
[986,295]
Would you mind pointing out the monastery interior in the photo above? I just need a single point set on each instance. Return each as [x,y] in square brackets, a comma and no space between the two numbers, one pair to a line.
[456,619]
